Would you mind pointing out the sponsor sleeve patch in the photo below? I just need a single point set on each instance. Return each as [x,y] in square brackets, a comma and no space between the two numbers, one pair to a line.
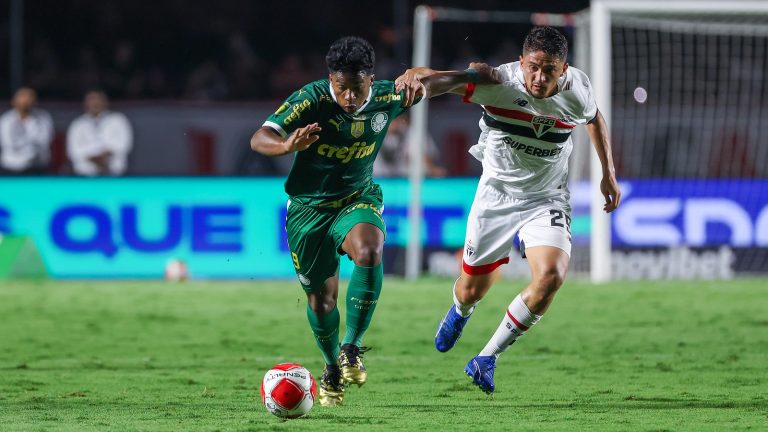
[297,111]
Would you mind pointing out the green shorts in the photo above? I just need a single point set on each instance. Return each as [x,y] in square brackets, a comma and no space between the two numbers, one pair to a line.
[315,233]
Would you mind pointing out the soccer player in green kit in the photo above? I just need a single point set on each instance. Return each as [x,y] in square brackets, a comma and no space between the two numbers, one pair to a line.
[335,127]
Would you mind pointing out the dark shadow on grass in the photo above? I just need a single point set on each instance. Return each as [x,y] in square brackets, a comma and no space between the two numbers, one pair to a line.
[345,418]
[138,366]
[628,404]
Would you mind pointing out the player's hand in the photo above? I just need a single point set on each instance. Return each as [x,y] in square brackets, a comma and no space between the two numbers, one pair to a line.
[609,187]
[488,74]
[410,82]
[302,138]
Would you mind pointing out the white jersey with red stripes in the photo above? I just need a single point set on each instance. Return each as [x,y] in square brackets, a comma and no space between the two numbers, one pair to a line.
[525,142]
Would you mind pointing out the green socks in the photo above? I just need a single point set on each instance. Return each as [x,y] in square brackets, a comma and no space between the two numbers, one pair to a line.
[326,331]
[362,296]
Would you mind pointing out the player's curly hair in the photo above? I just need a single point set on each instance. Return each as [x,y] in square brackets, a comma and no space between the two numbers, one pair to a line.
[548,40]
[351,54]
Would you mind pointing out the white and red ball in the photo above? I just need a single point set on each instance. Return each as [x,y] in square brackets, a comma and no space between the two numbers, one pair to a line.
[176,270]
[288,390]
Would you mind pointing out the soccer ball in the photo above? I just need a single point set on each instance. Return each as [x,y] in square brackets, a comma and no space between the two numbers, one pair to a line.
[176,270]
[288,390]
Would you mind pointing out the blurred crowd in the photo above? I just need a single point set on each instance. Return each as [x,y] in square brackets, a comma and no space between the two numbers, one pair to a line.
[97,142]
[236,72]
[80,51]
[240,51]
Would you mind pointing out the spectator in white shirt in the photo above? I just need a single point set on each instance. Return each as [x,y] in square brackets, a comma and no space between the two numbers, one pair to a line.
[25,136]
[98,142]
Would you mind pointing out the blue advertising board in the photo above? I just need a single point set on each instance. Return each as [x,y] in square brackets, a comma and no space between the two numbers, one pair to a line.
[234,227]
[221,227]
[696,213]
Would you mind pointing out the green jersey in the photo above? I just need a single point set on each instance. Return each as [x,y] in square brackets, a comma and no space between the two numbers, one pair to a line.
[340,162]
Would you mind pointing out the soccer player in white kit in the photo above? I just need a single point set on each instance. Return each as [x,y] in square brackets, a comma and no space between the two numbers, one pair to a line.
[524,147]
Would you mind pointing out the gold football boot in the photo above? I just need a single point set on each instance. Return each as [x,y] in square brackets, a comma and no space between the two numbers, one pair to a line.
[351,361]
[331,389]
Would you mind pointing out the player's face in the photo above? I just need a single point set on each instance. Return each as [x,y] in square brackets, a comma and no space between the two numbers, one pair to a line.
[350,89]
[541,72]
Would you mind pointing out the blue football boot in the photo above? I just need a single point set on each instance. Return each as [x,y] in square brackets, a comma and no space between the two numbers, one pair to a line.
[449,330]
[480,369]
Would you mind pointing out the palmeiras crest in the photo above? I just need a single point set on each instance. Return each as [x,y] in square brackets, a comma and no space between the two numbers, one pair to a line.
[378,121]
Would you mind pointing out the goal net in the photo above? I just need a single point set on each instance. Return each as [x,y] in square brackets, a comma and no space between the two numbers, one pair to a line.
[684,87]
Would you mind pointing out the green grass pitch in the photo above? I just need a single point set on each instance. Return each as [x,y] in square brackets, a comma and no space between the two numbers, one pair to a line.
[151,356]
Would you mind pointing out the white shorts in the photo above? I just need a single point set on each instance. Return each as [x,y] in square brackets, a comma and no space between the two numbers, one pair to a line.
[496,216]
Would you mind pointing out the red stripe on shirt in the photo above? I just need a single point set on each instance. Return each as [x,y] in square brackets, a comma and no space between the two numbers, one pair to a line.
[514,320]
[519,115]
[483,269]
[469,90]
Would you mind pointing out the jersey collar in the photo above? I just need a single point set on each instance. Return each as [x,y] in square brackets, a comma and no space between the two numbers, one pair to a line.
[362,107]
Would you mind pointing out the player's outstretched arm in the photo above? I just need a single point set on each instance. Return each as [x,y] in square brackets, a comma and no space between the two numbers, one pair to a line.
[609,187]
[269,143]
[410,83]
[434,83]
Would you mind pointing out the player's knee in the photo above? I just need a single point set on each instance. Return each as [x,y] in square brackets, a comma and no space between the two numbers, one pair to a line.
[368,256]
[550,280]
[321,304]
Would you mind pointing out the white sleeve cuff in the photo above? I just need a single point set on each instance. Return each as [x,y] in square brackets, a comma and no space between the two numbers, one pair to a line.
[276,127]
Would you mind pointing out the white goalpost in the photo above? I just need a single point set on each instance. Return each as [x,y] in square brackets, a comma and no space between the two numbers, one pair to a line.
[663,49]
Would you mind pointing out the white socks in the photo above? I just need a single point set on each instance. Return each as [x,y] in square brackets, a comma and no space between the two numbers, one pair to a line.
[517,321]
[462,309]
